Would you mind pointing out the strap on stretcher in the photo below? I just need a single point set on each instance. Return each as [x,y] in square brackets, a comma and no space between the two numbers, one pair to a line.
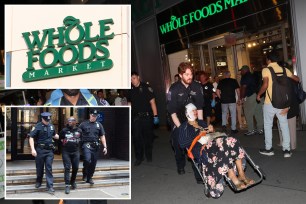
[195,140]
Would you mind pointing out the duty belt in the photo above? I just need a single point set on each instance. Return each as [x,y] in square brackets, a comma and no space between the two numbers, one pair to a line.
[92,144]
[46,146]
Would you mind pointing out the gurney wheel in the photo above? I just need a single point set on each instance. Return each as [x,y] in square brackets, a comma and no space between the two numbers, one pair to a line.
[206,191]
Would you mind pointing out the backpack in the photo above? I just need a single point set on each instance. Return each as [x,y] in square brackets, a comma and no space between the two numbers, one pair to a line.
[299,92]
[281,89]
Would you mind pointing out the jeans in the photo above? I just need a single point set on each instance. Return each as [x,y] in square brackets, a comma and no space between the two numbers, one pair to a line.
[232,109]
[70,159]
[269,113]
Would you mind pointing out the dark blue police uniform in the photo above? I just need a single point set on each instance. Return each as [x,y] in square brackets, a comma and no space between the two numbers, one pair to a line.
[42,135]
[142,121]
[91,132]
[70,137]
[177,98]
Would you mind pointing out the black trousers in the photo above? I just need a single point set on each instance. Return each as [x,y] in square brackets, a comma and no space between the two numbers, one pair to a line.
[143,135]
[44,159]
[179,154]
[89,161]
[70,159]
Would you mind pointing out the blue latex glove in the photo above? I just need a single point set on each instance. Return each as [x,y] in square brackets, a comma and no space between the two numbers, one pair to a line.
[155,120]
[213,103]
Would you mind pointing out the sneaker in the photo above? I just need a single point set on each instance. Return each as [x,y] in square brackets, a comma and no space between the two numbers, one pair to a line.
[234,131]
[260,132]
[37,184]
[51,190]
[73,186]
[67,190]
[90,181]
[224,128]
[269,152]
[252,132]
[287,153]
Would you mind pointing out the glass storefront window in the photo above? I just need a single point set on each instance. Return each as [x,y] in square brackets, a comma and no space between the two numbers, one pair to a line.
[206,60]
[220,59]
[26,120]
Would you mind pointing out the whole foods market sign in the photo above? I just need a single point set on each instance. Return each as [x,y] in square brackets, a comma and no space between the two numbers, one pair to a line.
[42,44]
[199,14]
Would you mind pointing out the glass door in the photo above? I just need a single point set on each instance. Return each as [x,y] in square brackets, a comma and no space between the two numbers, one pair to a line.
[19,123]
[222,58]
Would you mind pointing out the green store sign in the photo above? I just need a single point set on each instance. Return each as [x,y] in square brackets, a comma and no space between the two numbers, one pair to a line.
[41,45]
[199,14]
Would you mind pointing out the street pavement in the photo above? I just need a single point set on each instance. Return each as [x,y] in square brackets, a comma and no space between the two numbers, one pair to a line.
[158,181]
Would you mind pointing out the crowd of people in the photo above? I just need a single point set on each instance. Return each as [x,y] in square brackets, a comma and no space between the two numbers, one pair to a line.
[215,100]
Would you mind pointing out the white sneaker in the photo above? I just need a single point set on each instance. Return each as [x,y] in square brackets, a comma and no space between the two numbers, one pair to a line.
[287,154]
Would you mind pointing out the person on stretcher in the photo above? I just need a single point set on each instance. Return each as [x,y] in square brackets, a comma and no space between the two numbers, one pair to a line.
[221,155]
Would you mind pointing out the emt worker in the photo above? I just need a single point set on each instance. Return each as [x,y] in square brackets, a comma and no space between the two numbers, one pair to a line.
[182,92]
[42,149]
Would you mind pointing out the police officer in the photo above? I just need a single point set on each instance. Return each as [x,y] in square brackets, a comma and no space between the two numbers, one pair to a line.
[70,137]
[144,116]
[79,97]
[42,149]
[92,133]
[180,94]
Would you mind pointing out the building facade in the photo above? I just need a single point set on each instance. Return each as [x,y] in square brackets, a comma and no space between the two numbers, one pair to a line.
[214,35]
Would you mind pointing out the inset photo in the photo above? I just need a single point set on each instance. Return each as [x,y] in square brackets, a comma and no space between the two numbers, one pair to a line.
[68,46]
[67,153]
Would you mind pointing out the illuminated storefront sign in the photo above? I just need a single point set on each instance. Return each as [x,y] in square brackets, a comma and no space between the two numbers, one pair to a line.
[199,14]
[41,45]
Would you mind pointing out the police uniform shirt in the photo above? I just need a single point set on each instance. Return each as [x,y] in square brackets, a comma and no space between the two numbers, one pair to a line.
[70,138]
[81,101]
[43,133]
[179,96]
[140,98]
[208,90]
[91,131]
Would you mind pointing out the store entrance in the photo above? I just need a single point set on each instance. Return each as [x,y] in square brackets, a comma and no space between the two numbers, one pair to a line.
[218,57]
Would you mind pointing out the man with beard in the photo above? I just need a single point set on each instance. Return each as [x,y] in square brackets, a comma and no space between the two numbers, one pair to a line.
[70,137]
[144,116]
[42,149]
[180,94]
[72,97]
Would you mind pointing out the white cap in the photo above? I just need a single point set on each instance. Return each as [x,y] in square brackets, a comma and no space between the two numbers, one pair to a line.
[189,111]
